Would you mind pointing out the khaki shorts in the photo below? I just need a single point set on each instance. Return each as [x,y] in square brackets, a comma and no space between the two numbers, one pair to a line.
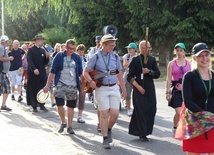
[108,97]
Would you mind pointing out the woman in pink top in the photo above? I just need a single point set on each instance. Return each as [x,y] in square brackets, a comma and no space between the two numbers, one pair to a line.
[175,73]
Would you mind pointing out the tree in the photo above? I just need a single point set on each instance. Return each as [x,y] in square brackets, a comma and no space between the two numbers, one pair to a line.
[171,21]
[55,35]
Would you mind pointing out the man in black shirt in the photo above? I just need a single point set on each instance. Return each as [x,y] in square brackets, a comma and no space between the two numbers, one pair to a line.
[14,74]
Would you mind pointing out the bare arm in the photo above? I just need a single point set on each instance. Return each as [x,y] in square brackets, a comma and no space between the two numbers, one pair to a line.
[4,59]
[168,80]
[48,84]
[88,78]
[169,76]
[122,85]
[50,79]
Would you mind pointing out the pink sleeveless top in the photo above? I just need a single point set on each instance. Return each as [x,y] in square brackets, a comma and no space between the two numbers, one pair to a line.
[179,71]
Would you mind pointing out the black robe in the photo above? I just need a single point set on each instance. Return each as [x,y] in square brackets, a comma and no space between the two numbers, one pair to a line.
[36,58]
[143,117]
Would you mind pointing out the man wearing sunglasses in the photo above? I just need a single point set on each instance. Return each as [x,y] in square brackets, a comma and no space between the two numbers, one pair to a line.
[65,70]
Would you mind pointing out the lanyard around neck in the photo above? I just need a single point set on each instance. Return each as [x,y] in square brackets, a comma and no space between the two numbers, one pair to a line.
[106,63]
[68,62]
[141,62]
[207,90]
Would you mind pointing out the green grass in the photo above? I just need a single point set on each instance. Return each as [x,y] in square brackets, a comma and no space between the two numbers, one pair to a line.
[163,74]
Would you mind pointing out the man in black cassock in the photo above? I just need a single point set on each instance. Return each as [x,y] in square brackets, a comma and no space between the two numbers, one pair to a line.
[141,75]
[37,60]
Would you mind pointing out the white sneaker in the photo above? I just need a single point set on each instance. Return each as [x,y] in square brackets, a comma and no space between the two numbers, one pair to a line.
[80,119]
[129,112]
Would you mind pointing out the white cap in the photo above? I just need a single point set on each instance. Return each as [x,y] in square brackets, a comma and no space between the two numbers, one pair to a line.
[4,38]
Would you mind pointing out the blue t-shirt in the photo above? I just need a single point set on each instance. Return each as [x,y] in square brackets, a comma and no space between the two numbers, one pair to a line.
[17,61]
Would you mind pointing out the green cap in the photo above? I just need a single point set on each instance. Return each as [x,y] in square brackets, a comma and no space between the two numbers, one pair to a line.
[132,45]
[181,45]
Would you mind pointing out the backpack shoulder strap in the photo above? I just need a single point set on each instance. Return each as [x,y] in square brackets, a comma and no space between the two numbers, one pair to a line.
[116,56]
[96,60]
[95,50]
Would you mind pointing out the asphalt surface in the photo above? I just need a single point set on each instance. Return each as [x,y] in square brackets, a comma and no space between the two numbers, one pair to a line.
[88,141]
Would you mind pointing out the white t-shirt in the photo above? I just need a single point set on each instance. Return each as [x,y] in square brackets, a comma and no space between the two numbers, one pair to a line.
[129,58]
[92,52]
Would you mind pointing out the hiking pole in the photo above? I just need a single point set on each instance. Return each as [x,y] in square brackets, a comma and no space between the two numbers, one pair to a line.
[146,37]
[147,31]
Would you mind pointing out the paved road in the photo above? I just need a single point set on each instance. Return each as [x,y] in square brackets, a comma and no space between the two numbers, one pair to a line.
[88,141]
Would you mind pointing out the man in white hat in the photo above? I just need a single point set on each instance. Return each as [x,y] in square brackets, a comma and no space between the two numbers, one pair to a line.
[107,93]
[4,68]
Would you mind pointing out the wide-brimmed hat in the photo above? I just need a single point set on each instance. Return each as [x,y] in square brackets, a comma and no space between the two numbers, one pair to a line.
[132,45]
[181,45]
[108,37]
[38,37]
[42,97]
[199,48]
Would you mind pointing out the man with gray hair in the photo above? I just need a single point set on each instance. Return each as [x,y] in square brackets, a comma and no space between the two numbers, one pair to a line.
[16,70]
[4,68]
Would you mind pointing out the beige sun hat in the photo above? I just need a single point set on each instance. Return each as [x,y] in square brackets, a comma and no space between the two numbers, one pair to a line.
[108,37]
[42,97]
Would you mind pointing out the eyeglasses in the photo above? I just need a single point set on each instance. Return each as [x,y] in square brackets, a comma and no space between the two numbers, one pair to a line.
[112,46]
[70,48]
[203,56]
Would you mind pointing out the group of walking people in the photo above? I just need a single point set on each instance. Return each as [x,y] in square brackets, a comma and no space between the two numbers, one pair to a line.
[189,90]
[190,83]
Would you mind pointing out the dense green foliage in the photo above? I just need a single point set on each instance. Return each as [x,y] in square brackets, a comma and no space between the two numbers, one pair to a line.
[171,21]
[55,35]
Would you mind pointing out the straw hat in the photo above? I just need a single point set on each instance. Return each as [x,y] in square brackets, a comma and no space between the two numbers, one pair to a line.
[42,97]
[108,37]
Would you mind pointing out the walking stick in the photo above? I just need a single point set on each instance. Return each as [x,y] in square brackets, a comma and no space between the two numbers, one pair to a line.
[147,31]
[146,37]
